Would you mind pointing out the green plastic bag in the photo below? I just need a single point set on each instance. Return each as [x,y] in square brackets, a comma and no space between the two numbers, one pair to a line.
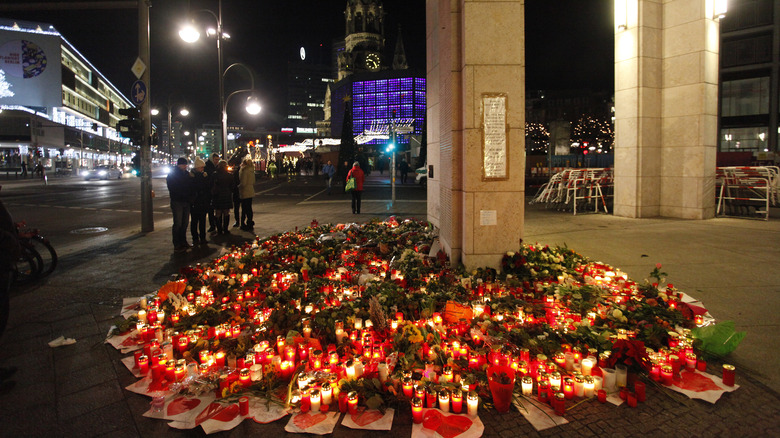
[718,339]
[350,184]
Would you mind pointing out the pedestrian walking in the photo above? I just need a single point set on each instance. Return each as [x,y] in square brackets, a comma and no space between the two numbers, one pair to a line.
[235,163]
[357,192]
[404,169]
[222,197]
[246,191]
[201,201]
[211,170]
[272,169]
[179,184]
[329,172]
[24,168]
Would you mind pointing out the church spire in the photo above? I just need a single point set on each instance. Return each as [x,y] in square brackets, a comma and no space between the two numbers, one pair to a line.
[399,58]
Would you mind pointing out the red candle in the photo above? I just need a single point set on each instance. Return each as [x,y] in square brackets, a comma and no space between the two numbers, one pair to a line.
[623,393]
[219,357]
[305,400]
[639,389]
[728,374]
[457,401]
[631,399]
[568,388]
[408,387]
[143,364]
[244,377]
[655,372]
[352,402]
[417,410]
[342,402]
[243,406]
[701,365]
[559,404]
[602,396]
[667,374]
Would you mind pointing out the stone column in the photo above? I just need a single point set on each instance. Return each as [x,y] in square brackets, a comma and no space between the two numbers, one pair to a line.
[476,50]
[666,82]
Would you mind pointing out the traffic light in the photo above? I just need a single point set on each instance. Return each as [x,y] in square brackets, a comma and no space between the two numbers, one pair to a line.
[132,127]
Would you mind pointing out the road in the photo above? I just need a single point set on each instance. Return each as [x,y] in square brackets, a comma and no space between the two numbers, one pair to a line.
[76,214]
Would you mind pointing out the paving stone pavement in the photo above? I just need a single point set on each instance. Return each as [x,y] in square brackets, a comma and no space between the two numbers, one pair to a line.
[78,390]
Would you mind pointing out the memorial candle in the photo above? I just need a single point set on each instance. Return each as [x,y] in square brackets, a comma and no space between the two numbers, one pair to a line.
[408,386]
[602,396]
[590,386]
[690,361]
[568,388]
[667,374]
[473,403]
[352,402]
[444,400]
[383,372]
[326,393]
[180,371]
[640,390]
[527,385]
[417,408]
[587,365]
[559,403]
[456,401]
[316,399]
[729,371]
[579,385]
[143,364]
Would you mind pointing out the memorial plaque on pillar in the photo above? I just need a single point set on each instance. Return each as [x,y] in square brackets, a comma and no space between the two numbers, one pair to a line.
[495,163]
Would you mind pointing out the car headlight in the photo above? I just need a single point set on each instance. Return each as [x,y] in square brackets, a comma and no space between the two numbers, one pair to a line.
[102,173]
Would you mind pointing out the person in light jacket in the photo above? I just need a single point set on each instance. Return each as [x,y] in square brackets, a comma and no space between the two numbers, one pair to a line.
[246,192]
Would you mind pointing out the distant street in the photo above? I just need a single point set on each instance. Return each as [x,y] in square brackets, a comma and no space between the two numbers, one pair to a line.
[75,214]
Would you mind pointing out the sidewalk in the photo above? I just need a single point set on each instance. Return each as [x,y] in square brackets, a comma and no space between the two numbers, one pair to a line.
[78,390]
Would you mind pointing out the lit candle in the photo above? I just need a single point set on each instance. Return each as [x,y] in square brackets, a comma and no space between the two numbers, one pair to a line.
[142,315]
[444,400]
[729,372]
[408,386]
[350,369]
[655,371]
[219,357]
[457,401]
[579,385]
[568,388]
[590,386]
[447,375]
[352,402]
[143,364]
[326,393]
[358,323]
[527,384]
[587,365]
[256,372]
[316,399]
[690,361]
[305,400]
[473,403]
[303,380]
[417,408]
[245,377]
[555,381]
[667,374]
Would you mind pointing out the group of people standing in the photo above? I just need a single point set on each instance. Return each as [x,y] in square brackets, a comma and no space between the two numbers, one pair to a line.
[210,190]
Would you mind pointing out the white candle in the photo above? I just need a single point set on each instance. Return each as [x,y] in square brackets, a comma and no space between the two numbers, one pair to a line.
[579,386]
[609,379]
[315,400]
[256,372]
[444,400]
[598,383]
[569,361]
[340,334]
[142,315]
[383,372]
[473,404]
[587,366]
[527,385]
[358,323]
[168,350]
[358,368]
[327,393]
[350,367]
[590,385]
[621,375]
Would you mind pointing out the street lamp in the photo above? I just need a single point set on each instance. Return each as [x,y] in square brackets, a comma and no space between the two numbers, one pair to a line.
[189,33]
[252,103]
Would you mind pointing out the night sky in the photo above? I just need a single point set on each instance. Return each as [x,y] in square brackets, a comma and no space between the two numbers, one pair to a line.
[569,46]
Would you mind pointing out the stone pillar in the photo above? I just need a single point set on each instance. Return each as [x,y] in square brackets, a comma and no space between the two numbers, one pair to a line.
[666,94]
[476,51]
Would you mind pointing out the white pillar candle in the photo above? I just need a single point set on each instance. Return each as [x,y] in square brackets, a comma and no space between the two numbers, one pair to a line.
[350,368]
[444,400]
[621,375]
[315,400]
[587,366]
[527,384]
[473,404]
[383,372]
[168,350]
[142,315]
[569,361]
[590,385]
[326,393]
[256,372]
[358,323]
[609,379]
[579,386]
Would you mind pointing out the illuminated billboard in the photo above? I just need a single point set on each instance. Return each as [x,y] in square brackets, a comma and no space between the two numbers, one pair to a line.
[30,69]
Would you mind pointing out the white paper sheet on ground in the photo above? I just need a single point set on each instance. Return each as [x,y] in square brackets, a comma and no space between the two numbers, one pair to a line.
[370,419]
[316,423]
[61,342]
[226,418]
[182,409]
[129,362]
[614,398]
[540,415]
[437,423]
[130,307]
[148,388]
[125,343]
[263,411]
[704,386]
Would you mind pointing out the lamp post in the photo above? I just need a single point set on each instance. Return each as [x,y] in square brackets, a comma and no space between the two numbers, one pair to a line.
[252,103]
[190,34]
[183,112]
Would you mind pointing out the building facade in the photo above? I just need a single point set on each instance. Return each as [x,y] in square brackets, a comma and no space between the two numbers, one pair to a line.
[749,98]
[57,108]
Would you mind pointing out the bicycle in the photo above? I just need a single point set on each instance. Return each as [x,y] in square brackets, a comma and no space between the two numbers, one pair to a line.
[38,258]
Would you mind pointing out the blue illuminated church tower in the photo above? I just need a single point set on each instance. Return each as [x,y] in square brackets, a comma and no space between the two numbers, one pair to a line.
[380,85]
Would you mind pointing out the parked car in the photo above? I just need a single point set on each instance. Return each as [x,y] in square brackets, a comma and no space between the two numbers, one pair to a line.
[421,175]
[103,172]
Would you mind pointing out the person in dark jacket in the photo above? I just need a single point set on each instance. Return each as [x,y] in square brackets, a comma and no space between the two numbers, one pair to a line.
[201,203]
[235,164]
[211,170]
[357,173]
[179,184]
[222,197]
